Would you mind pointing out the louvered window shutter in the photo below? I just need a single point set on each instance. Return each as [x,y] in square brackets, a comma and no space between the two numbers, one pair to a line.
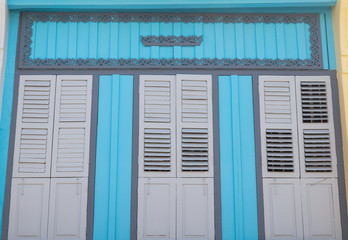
[278,126]
[33,140]
[194,126]
[72,126]
[157,126]
[315,126]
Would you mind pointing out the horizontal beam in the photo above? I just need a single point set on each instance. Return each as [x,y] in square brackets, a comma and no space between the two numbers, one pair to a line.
[175,5]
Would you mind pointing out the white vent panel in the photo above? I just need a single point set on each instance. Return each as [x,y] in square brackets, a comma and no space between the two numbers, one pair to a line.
[314,102]
[194,150]
[280,156]
[157,97]
[277,102]
[194,101]
[157,150]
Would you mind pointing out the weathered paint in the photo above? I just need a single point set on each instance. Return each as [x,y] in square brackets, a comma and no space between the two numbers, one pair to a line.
[237,158]
[4,19]
[5,120]
[122,40]
[112,204]
[341,32]
[170,4]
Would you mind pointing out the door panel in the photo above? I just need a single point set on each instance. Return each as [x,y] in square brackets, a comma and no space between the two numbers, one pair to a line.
[195,208]
[156,214]
[68,206]
[321,214]
[283,218]
[29,208]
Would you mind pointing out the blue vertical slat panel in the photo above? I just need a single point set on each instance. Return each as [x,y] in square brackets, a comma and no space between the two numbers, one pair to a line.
[237,158]
[5,120]
[220,40]
[114,158]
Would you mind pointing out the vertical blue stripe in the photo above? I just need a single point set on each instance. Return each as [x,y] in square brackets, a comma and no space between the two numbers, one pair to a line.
[330,40]
[6,109]
[237,159]
[114,157]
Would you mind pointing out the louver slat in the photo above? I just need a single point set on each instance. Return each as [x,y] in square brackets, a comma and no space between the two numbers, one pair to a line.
[32,154]
[194,150]
[157,150]
[314,102]
[280,157]
[72,126]
[157,126]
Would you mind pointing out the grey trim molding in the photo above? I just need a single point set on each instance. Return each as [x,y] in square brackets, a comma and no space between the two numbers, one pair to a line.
[168,41]
[28,19]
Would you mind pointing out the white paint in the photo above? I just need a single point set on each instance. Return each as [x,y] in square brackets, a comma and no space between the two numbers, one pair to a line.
[4,22]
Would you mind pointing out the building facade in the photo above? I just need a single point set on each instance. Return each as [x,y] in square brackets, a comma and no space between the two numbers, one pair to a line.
[172,121]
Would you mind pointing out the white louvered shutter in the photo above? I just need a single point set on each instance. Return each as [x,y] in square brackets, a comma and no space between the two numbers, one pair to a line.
[321,212]
[72,126]
[156,208]
[33,140]
[282,208]
[68,208]
[316,127]
[29,208]
[157,126]
[195,208]
[194,126]
[278,126]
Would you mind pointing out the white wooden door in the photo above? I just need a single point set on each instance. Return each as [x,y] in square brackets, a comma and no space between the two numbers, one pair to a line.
[282,208]
[157,204]
[29,208]
[195,208]
[68,206]
[321,214]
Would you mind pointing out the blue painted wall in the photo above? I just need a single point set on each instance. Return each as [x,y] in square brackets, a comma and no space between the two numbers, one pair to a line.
[5,120]
[112,206]
[237,158]
[122,40]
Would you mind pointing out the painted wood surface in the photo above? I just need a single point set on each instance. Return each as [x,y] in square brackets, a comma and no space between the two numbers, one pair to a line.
[5,120]
[237,158]
[114,157]
[158,4]
[122,40]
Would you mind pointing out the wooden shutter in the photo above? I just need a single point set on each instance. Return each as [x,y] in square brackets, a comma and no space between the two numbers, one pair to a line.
[157,126]
[195,208]
[33,140]
[72,126]
[194,126]
[316,128]
[321,214]
[282,208]
[68,206]
[278,126]
[156,208]
[29,208]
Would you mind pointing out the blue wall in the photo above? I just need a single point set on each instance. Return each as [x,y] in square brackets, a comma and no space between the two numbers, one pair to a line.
[5,120]
[122,40]
[112,206]
[237,158]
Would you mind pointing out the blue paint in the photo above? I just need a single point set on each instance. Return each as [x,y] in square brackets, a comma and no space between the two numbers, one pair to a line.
[330,40]
[122,40]
[114,158]
[5,120]
[169,4]
[237,158]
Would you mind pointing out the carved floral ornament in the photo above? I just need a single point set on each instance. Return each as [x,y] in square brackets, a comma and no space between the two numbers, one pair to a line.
[315,62]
